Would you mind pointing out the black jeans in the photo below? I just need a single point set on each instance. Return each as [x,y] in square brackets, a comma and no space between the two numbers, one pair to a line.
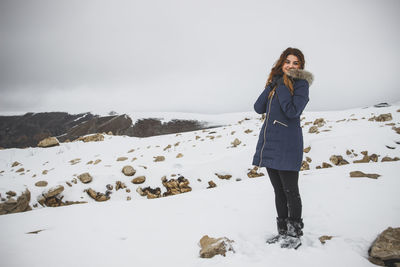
[287,196]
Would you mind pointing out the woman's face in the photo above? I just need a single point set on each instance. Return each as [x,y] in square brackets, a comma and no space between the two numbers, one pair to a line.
[291,62]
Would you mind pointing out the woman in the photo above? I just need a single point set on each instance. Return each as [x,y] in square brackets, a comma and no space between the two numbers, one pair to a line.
[280,144]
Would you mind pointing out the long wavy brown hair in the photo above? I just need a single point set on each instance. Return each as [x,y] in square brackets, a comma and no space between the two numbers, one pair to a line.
[277,68]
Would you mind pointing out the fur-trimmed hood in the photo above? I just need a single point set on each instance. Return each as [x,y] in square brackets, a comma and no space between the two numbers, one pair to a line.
[302,74]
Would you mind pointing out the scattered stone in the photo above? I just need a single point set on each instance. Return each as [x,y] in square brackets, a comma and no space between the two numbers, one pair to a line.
[361,174]
[119,185]
[338,160]
[307,149]
[382,117]
[180,155]
[97,161]
[211,246]
[313,129]
[304,166]
[128,198]
[139,180]
[49,142]
[211,184]
[75,181]
[133,159]
[149,192]
[11,193]
[177,144]
[348,152]
[53,191]
[159,158]
[127,190]
[236,142]
[253,173]
[15,163]
[176,186]
[68,183]
[319,122]
[97,195]
[19,205]
[85,178]
[91,138]
[89,162]
[390,147]
[233,132]
[20,170]
[41,184]
[122,158]
[397,130]
[110,133]
[226,177]
[199,180]
[109,187]
[390,159]
[385,250]
[44,172]
[248,131]
[374,157]
[324,238]
[326,165]
[128,170]
[130,151]
[167,147]
[74,161]
[197,137]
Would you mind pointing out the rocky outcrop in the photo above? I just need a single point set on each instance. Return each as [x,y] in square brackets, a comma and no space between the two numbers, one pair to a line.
[385,250]
[49,142]
[176,186]
[361,174]
[215,246]
[20,205]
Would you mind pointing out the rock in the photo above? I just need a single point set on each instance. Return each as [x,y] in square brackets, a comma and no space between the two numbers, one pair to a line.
[338,160]
[128,170]
[89,162]
[11,193]
[74,161]
[313,129]
[20,170]
[319,122]
[304,166]
[109,187]
[382,117]
[54,191]
[236,142]
[390,159]
[397,130]
[386,248]
[307,149]
[324,238]
[122,158]
[110,133]
[85,178]
[211,246]
[97,161]
[253,173]
[19,205]
[159,158]
[308,159]
[382,105]
[132,150]
[68,183]
[225,177]
[119,185]
[348,152]
[44,172]
[211,184]
[326,165]
[128,198]
[175,186]
[180,155]
[374,157]
[41,184]
[167,147]
[248,131]
[91,138]
[97,195]
[127,190]
[49,142]
[149,192]
[139,180]
[361,174]
[15,163]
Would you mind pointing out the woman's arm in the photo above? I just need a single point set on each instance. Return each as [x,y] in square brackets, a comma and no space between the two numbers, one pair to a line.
[293,105]
[261,104]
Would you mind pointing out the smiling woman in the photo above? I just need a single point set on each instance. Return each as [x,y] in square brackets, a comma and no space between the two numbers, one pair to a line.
[280,144]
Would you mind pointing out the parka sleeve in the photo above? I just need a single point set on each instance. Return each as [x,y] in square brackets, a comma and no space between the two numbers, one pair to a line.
[260,106]
[293,105]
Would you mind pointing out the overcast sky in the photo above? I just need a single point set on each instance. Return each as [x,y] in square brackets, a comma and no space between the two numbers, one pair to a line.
[204,56]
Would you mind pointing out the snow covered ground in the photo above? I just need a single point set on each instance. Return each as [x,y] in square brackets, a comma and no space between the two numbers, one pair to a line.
[166,231]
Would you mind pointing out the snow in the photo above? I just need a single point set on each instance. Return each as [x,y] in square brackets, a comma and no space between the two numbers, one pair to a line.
[166,231]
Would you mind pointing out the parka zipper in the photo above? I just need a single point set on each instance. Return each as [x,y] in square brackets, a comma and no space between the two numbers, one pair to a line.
[266,124]
[280,123]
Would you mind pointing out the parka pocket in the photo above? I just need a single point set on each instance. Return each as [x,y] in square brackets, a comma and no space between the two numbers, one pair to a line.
[281,123]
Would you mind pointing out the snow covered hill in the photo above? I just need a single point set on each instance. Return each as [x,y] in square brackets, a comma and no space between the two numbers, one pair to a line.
[129,229]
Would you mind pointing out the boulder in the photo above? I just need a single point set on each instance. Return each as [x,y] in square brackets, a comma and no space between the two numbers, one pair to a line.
[20,170]
[149,192]
[176,186]
[49,142]
[361,174]
[326,165]
[97,195]
[139,180]
[128,170]
[41,184]
[382,117]
[11,193]
[19,205]
[215,246]
[385,249]
[85,178]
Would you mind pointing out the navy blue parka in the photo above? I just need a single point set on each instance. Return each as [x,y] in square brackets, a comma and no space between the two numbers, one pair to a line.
[280,143]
